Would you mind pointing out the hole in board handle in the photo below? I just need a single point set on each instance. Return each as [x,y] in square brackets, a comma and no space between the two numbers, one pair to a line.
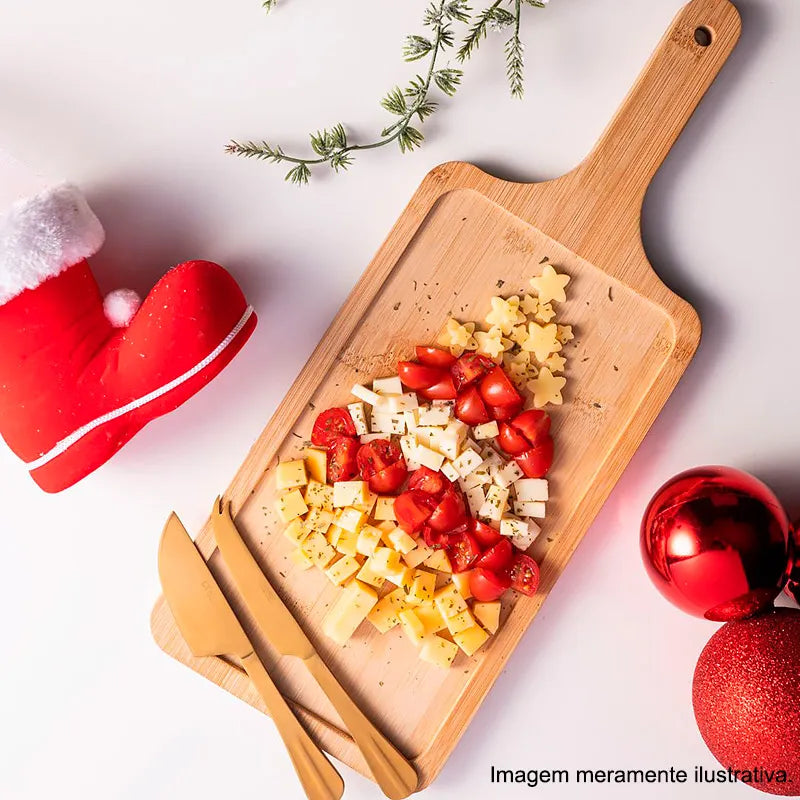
[703,36]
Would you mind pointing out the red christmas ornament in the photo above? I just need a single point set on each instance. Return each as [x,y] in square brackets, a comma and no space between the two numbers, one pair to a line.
[746,694]
[793,585]
[715,543]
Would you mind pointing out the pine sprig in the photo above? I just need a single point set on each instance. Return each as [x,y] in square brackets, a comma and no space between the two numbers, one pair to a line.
[515,59]
[269,5]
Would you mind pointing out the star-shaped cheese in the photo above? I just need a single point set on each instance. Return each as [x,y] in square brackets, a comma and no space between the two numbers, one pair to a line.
[556,363]
[546,388]
[550,285]
[458,337]
[564,333]
[492,343]
[545,312]
[519,334]
[518,372]
[503,314]
[529,304]
[542,340]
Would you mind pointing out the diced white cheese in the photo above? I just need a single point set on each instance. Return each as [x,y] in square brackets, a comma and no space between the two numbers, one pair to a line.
[486,431]
[467,463]
[495,505]
[370,437]
[530,508]
[506,475]
[476,478]
[349,493]
[449,471]
[458,428]
[395,403]
[387,385]
[362,393]
[387,423]
[529,489]
[438,414]
[428,458]
[475,500]
[469,442]
[411,419]
[358,416]
[408,444]
[427,434]
[522,533]
[448,445]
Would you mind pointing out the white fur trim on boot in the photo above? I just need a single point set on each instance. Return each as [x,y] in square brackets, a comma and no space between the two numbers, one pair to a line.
[43,235]
[120,307]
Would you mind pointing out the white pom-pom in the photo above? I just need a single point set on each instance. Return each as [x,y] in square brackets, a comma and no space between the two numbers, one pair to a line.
[120,306]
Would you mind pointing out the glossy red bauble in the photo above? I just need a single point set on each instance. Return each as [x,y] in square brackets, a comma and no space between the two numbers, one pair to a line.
[745,696]
[793,585]
[715,542]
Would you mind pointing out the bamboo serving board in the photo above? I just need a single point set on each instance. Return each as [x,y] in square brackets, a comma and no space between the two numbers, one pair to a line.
[461,235]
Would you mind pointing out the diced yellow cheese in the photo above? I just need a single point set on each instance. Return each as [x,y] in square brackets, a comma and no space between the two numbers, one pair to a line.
[449,602]
[368,539]
[319,495]
[438,560]
[368,574]
[385,615]
[488,614]
[427,457]
[461,582]
[431,618]
[291,505]
[319,519]
[342,570]
[384,509]
[334,534]
[460,622]
[300,559]
[471,640]
[412,626]
[368,504]
[296,531]
[438,651]
[317,464]
[351,519]
[385,560]
[349,493]
[349,611]
[401,541]
[347,543]
[418,555]
[318,549]
[291,474]
[422,588]
[401,576]
[486,431]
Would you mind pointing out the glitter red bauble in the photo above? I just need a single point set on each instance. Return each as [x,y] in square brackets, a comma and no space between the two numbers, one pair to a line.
[746,696]
[715,542]
[793,586]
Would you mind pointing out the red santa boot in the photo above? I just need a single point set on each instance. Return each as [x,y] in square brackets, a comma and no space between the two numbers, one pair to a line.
[80,377]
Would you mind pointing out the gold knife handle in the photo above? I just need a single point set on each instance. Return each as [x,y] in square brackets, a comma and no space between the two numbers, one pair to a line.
[392,771]
[319,777]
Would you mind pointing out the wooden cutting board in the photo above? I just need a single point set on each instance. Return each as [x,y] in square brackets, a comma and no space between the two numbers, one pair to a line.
[462,233]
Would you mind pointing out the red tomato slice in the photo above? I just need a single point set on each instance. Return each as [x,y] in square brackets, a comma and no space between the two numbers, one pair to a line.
[378,455]
[450,513]
[469,367]
[536,462]
[487,586]
[498,557]
[389,480]
[434,539]
[428,481]
[462,550]
[419,376]
[444,390]
[497,389]
[470,408]
[434,356]
[412,509]
[484,534]
[524,575]
[505,412]
[342,463]
[330,425]
[533,424]
[512,441]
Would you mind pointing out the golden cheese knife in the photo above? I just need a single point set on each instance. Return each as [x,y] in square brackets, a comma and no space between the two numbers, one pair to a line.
[392,771]
[210,627]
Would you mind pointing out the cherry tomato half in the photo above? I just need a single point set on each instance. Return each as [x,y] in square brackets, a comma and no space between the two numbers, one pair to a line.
[486,585]
[497,389]
[331,424]
[469,367]
[505,412]
[484,534]
[470,408]
[434,356]
[512,441]
[412,509]
[533,424]
[419,376]
[342,463]
[377,456]
[536,462]
[389,480]
[462,550]
[434,539]
[524,575]
[498,557]
[428,481]
[443,390]
[449,513]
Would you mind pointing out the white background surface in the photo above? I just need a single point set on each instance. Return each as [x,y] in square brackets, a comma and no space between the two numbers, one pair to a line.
[135,101]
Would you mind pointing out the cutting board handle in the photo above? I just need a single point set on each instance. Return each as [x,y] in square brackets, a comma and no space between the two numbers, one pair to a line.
[636,142]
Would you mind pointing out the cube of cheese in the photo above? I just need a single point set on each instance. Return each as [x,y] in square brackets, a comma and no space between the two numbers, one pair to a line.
[395,404]
[438,560]
[449,471]
[460,622]
[461,582]
[488,614]
[471,640]
[318,495]
[522,535]
[349,611]
[418,555]
[411,420]
[385,560]
[495,505]
[291,505]
[368,540]
[291,474]
[368,504]
[296,531]
[356,411]
[479,478]
[341,571]
[319,520]
[431,618]
[399,540]
[368,574]
[408,444]
[316,464]
[438,651]
[475,500]
[351,519]
[428,458]
[530,508]
[439,413]
[384,509]
[402,576]
[447,446]
[486,431]
[449,602]
[364,394]
[506,475]
[371,437]
[422,587]
[467,463]
[318,549]
[300,559]
[385,614]
[349,493]
[412,626]
[529,489]
[390,385]
[334,534]
[347,542]
[388,424]
[426,435]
